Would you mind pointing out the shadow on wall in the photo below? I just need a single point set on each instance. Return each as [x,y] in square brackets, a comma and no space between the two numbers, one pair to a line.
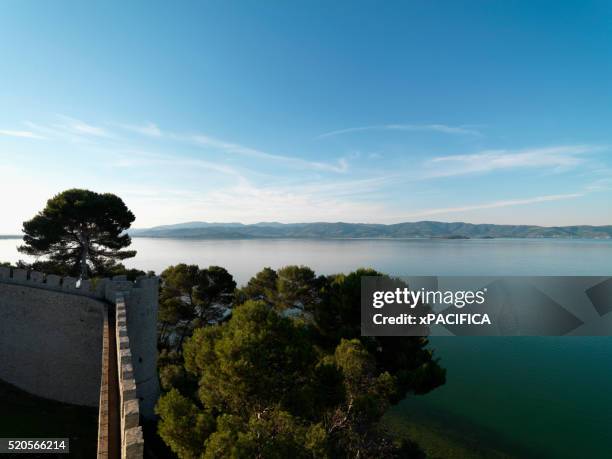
[51,334]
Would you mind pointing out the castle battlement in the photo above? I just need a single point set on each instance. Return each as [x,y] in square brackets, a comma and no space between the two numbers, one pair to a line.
[34,306]
[98,288]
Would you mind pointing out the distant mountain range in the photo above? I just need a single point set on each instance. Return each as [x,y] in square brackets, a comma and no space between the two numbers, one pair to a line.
[424,229]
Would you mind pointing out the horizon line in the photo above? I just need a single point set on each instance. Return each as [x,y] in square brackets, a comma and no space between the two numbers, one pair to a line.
[19,236]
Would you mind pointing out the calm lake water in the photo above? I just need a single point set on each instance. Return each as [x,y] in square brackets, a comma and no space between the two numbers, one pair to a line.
[243,258]
[539,397]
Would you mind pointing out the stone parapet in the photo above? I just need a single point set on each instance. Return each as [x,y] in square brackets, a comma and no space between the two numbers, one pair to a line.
[132,441]
[98,288]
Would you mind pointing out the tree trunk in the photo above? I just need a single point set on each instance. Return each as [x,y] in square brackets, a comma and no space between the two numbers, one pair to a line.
[84,254]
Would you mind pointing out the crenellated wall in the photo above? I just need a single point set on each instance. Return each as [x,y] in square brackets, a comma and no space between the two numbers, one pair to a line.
[92,289]
[54,342]
[132,442]
[51,331]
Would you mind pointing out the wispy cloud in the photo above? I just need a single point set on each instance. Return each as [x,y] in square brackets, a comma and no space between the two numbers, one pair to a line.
[248,203]
[83,128]
[556,157]
[78,131]
[339,166]
[148,129]
[69,129]
[496,204]
[343,188]
[167,173]
[152,130]
[22,134]
[142,159]
[603,184]
[442,128]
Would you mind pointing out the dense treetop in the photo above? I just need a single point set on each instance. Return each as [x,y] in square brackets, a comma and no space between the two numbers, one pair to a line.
[81,232]
[288,374]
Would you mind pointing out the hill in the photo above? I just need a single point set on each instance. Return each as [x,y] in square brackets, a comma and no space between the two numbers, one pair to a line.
[424,229]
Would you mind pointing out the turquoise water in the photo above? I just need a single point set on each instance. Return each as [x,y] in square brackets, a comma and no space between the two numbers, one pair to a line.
[539,397]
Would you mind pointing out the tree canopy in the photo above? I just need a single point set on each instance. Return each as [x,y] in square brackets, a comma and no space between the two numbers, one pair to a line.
[81,232]
[269,384]
[190,297]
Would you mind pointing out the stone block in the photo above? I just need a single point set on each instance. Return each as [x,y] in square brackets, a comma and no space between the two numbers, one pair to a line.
[69,283]
[53,280]
[133,444]
[20,275]
[125,356]
[85,286]
[99,288]
[5,272]
[127,371]
[148,282]
[124,342]
[37,276]
[128,387]
[131,413]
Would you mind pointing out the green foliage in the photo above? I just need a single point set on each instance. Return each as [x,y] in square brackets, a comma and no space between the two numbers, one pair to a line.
[335,305]
[338,313]
[257,369]
[272,434]
[258,360]
[190,297]
[262,286]
[276,386]
[80,231]
[180,280]
[296,286]
[173,374]
[214,285]
[337,316]
[112,268]
[183,426]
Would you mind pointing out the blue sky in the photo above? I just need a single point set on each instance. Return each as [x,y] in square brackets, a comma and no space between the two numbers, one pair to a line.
[497,112]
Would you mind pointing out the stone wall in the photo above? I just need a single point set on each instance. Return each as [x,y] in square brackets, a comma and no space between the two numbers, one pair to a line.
[132,443]
[50,343]
[141,304]
[51,334]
